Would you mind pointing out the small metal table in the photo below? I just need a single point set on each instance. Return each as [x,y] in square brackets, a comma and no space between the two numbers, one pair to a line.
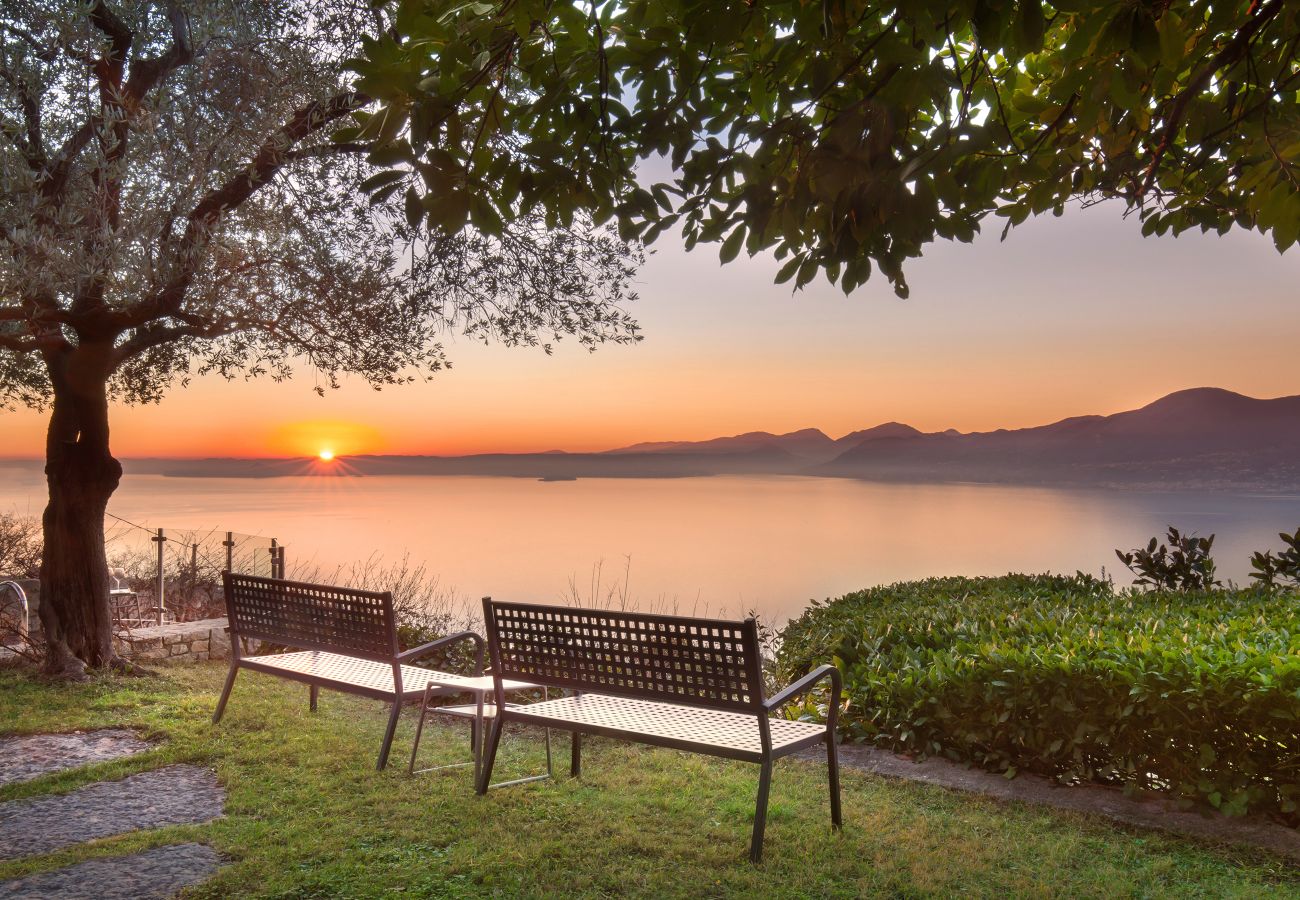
[478,713]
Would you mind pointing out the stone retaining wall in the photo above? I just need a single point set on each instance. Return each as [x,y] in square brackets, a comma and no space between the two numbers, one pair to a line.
[181,642]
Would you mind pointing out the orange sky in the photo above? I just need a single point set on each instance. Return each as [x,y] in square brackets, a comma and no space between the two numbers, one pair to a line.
[1068,316]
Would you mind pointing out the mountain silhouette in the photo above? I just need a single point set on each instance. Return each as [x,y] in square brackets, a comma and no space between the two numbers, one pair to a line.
[811,443]
[888,430]
[1208,435]
[1203,438]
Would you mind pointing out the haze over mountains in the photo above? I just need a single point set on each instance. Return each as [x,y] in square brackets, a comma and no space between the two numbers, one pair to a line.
[1199,438]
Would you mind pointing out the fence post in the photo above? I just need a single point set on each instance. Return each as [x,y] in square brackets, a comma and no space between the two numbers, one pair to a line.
[159,539]
[194,564]
[229,544]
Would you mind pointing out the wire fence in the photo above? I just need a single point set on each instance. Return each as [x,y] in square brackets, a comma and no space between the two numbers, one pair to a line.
[171,574]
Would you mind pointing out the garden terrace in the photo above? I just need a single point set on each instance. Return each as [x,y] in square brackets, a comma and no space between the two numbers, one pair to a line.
[307,814]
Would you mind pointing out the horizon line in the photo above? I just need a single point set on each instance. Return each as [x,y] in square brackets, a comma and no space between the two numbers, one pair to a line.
[552,451]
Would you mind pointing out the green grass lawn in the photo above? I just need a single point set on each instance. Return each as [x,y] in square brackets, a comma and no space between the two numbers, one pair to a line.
[308,815]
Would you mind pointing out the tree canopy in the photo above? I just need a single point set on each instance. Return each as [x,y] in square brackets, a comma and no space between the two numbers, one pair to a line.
[167,186]
[843,134]
[171,202]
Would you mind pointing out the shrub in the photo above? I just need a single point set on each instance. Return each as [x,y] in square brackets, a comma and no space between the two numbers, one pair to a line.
[1195,693]
[1187,567]
[20,546]
[1272,571]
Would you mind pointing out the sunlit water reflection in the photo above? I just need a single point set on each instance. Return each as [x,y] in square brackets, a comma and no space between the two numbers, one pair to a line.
[717,546]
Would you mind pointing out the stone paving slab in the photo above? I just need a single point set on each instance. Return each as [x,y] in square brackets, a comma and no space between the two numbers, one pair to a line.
[27,756]
[156,873]
[176,795]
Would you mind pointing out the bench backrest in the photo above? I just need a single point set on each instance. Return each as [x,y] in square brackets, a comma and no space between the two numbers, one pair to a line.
[312,616]
[712,663]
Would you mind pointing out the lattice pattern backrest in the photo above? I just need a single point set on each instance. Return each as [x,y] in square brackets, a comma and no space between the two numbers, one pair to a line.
[312,616]
[698,662]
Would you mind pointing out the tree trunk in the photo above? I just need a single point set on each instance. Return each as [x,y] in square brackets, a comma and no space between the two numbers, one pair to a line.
[82,475]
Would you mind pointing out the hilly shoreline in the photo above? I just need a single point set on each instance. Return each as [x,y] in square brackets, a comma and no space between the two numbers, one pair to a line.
[1203,438]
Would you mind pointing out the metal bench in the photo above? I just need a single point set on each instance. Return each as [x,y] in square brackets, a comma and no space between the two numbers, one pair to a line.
[344,640]
[690,684]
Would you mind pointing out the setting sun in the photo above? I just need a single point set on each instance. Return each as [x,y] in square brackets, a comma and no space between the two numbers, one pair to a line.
[326,455]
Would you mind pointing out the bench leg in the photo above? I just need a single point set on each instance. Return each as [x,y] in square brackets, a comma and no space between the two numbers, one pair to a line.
[388,735]
[315,695]
[575,755]
[225,694]
[490,757]
[760,811]
[833,775]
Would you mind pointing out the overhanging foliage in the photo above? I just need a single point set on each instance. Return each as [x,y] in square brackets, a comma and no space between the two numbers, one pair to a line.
[842,134]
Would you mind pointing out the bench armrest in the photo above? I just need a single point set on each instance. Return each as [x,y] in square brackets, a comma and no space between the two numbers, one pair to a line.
[803,685]
[426,649]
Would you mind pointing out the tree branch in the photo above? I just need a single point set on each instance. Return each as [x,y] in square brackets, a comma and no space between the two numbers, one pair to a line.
[34,152]
[146,73]
[156,335]
[49,339]
[44,52]
[18,345]
[60,167]
[119,35]
[1231,53]
[270,158]
[108,70]
[327,150]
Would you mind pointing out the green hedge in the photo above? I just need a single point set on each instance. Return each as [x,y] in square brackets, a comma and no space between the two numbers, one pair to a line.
[1198,694]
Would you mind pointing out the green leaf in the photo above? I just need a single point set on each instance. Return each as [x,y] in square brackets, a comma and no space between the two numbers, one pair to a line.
[1030,25]
[787,271]
[379,179]
[414,208]
[731,246]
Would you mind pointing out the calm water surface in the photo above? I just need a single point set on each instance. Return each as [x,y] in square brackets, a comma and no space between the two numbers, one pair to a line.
[716,546]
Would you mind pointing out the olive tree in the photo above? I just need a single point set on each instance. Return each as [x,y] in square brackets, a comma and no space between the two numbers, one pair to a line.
[172,204]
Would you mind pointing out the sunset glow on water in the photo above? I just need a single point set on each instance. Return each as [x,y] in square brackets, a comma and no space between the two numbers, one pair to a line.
[721,545]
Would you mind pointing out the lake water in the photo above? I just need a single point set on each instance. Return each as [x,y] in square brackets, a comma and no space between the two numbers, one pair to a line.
[715,546]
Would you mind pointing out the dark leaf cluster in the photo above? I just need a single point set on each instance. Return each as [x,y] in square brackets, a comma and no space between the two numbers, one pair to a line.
[1184,564]
[841,136]
[1272,571]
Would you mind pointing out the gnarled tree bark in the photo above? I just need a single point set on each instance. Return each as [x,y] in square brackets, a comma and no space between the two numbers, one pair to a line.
[82,474]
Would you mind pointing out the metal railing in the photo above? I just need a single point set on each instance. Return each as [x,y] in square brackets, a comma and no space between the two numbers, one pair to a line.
[161,575]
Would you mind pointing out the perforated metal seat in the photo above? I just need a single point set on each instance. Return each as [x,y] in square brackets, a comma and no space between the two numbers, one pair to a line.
[688,727]
[687,683]
[345,640]
[335,669]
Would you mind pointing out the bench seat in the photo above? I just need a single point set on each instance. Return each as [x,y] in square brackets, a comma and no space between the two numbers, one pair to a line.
[695,685]
[712,731]
[339,638]
[374,679]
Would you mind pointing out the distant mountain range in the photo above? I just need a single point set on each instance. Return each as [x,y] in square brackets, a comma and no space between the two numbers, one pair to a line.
[1200,438]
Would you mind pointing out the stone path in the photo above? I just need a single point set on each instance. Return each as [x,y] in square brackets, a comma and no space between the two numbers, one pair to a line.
[1155,812]
[176,795]
[152,874]
[27,756]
